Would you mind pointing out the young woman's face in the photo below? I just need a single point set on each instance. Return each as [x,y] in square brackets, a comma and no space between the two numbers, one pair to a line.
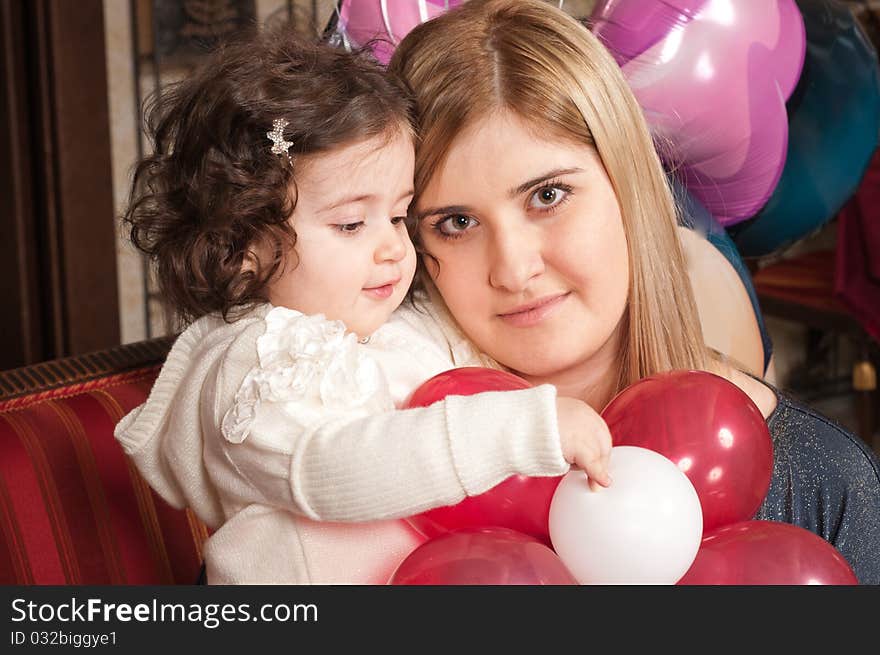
[531,255]
[353,258]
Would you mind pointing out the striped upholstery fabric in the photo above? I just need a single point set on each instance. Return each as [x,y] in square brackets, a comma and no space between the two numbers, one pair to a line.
[73,510]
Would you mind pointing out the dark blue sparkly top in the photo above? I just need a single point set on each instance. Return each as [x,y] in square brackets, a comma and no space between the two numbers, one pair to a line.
[827,480]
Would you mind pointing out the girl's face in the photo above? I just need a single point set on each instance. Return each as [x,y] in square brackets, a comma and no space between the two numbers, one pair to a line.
[531,255]
[353,258]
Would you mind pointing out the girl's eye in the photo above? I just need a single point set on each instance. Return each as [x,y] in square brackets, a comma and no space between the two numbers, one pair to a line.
[349,228]
[548,197]
[454,226]
[397,220]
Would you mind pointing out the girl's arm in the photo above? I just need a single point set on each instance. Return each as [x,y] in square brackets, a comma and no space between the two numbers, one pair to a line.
[338,466]
[393,464]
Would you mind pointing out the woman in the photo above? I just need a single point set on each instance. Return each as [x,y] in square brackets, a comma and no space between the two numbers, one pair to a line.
[548,233]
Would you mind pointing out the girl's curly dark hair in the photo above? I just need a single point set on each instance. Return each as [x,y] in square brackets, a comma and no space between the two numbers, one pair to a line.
[212,190]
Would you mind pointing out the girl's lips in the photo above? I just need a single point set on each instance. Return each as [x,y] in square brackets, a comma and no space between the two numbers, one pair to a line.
[535,313]
[381,292]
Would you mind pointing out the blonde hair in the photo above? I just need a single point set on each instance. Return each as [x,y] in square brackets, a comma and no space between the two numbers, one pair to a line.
[529,57]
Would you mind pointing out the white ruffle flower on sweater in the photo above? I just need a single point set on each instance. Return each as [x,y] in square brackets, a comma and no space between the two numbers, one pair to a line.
[307,361]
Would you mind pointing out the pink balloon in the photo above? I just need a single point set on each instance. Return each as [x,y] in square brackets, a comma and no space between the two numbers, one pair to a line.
[709,428]
[361,21]
[767,553]
[488,556]
[712,78]
[520,502]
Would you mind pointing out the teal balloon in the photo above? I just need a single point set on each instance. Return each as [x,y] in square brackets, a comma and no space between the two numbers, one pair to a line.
[833,124]
[694,215]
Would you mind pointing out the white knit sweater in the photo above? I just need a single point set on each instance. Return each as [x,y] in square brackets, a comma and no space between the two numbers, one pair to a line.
[280,433]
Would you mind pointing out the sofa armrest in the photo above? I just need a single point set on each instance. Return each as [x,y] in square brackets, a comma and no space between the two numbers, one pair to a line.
[73,509]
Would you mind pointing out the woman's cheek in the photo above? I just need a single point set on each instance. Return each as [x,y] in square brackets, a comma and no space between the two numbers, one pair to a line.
[444,258]
[593,239]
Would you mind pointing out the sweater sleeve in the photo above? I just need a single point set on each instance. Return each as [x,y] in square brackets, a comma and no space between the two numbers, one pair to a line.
[396,463]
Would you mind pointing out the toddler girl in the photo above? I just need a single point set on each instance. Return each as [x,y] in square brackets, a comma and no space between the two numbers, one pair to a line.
[273,206]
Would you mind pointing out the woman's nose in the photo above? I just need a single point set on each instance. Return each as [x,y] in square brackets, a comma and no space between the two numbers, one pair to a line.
[515,259]
[392,244]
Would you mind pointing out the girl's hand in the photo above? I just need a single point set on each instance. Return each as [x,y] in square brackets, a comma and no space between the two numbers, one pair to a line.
[585,439]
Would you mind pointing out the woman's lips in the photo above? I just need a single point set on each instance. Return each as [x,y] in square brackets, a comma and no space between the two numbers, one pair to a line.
[534,313]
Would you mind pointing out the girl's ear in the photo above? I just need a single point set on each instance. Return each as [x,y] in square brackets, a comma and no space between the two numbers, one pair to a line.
[250,263]
[258,254]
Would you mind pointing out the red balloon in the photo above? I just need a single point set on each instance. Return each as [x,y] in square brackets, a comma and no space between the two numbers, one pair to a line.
[710,428]
[487,556]
[520,502]
[464,381]
[767,553]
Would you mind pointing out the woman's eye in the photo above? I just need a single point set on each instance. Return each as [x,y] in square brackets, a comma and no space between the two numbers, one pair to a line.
[547,197]
[349,228]
[397,220]
[454,225]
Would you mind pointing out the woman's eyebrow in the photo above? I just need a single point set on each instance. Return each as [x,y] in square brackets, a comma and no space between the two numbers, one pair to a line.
[522,188]
[433,211]
[525,186]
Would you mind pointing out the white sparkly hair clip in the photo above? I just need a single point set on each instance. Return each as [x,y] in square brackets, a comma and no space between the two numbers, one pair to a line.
[279,145]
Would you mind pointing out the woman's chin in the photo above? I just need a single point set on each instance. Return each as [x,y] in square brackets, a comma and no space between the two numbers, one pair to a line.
[554,360]
[531,363]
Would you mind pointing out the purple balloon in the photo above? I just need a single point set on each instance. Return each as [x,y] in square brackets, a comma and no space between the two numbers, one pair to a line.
[792,47]
[633,27]
[388,21]
[712,78]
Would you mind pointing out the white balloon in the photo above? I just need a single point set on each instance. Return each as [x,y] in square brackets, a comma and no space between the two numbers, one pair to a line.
[643,529]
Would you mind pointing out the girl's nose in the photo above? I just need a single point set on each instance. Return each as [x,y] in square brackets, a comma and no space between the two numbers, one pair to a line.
[515,258]
[392,245]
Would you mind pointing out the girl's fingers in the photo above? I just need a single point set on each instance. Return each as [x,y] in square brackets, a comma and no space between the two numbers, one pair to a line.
[596,470]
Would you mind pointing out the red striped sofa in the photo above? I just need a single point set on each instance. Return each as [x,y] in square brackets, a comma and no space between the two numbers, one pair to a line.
[73,510]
